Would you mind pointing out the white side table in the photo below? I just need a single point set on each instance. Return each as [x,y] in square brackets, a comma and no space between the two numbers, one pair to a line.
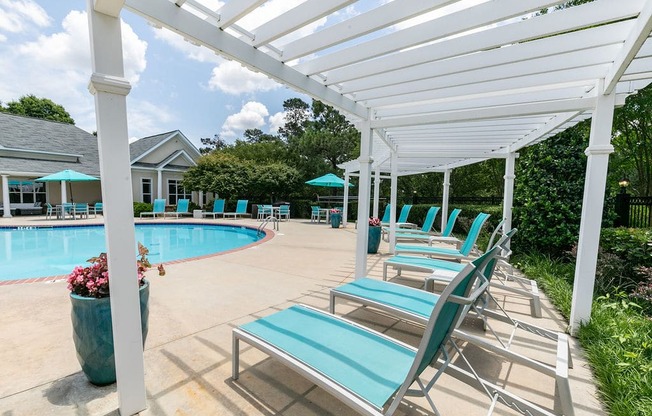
[197,214]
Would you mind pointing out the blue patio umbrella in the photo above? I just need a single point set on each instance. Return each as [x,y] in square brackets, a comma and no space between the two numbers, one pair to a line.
[69,176]
[329,180]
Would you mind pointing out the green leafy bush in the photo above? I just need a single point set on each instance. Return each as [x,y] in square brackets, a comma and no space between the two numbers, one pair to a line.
[142,207]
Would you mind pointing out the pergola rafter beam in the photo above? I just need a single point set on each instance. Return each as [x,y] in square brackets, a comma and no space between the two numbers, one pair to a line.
[180,21]
[109,7]
[295,18]
[233,11]
[634,41]
[488,113]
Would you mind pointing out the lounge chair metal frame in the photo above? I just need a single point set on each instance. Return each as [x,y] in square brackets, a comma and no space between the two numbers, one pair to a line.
[563,400]
[423,234]
[240,209]
[444,315]
[218,209]
[157,209]
[182,209]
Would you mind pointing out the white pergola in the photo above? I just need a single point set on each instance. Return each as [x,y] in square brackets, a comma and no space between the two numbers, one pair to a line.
[431,84]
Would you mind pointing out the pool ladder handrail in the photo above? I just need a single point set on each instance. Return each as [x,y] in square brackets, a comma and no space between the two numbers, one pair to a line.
[266,221]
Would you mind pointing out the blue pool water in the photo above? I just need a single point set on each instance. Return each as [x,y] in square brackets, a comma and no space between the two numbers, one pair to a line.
[51,251]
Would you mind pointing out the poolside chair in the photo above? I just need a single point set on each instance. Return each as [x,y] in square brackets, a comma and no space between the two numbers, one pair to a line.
[402,221]
[284,212]
[450,239]
[365,369]
[182,209]
[218,209]
[158,209]
[316,213]
[98,208]
[264,211]
[425,230]
[464,251]
[51,211]
[416,305]
[240,209]
[80,210]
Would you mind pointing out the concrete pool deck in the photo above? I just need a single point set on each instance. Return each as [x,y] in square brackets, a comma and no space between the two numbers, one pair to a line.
[188,350]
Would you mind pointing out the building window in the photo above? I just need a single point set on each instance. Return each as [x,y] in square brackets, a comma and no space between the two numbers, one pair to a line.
[146,190]
[23,192]
[176,191]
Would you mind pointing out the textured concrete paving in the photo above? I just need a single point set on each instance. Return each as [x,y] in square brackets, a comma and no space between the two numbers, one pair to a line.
[188,351]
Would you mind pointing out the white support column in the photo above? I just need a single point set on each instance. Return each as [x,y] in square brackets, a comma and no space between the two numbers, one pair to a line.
[592,205]
[345,206]
[364,193]
[444,199]
[376,191]
[200,198]
[159,184]
[64,194]
[110,89]
[6,206]
[392,200]
[508,193]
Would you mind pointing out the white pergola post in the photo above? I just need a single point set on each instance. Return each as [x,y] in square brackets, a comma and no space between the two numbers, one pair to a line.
[376,191]
[364,193]
[6,207]
[508,193]
[444,199]
[110,89]
[392,200]
[596,176]
[64,194]
[345,205]
[159,184]
[200,198]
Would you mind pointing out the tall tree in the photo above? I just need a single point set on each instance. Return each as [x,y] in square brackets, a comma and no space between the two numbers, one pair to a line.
[32,106]
[297,114]
[215,143]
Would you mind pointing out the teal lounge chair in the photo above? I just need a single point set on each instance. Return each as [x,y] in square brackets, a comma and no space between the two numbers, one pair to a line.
[98,208]
[416,305]
[182,209]
[218,209]
[365,369]
[447,253]
[158,209]
[240,209]
[402,221]
[424,233]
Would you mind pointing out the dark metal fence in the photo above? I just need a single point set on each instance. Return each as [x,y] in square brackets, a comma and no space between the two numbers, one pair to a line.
[633,211]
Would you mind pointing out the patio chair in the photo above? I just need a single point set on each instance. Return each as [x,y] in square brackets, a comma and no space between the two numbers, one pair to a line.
[411,234]
[264,211]
[182,209]
[98,208]
[67,209]
[51,211]
[240,209]
[80,210]
[218,209]
[284,212]
[450,239]
[365,369]
[316,213]
[158,209]
[464,252]
[416,305]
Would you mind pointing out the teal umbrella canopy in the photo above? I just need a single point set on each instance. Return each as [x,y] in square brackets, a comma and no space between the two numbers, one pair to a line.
[328,180]
[67,175]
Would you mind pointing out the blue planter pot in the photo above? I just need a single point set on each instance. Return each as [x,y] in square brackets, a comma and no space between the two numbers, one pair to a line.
[93,334]
[336,219]
[374,240]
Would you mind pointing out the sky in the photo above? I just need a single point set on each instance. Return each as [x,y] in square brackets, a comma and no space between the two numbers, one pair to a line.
[44,51]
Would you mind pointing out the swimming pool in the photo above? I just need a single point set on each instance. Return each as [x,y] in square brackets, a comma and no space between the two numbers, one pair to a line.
[29,252]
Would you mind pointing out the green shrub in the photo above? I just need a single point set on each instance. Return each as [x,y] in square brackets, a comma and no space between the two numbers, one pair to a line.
[142,207]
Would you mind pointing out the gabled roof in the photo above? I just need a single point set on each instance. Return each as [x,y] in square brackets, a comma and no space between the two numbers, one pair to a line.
[142,147]
[442,83]
[36,147]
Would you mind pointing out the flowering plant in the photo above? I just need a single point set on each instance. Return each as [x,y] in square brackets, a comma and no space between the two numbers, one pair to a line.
[335,211]
[93,281]
[374,222]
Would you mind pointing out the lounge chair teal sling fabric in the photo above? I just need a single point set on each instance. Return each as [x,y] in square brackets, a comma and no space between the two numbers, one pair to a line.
[451,222]
[367,370]
[447,253]
[182,209]
[158,209]
[240,209]
[218,209]
[426,228]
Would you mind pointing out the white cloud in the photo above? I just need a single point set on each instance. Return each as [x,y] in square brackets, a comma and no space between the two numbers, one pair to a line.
[232,78]
[276,121]
[196,53]
[251,116]
[17,15]
[58,67]
[146,118]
